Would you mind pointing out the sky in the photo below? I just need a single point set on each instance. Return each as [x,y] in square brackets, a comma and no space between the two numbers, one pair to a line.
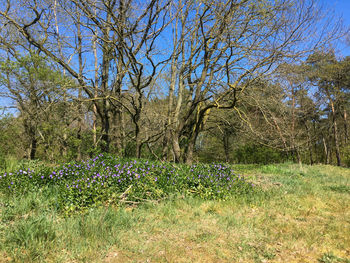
[341,8]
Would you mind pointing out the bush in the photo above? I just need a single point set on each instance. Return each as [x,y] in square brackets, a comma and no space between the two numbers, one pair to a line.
[251,153]
[346,154]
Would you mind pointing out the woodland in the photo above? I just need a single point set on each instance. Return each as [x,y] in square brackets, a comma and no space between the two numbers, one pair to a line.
[236,81]
[174,131]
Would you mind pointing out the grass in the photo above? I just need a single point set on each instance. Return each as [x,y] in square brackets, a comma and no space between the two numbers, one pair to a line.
[302,215]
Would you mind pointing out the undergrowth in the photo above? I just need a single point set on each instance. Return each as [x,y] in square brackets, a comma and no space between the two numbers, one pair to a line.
[106,179]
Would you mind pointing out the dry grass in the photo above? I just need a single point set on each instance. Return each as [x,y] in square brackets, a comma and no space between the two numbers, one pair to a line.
[303,221]
[304,216]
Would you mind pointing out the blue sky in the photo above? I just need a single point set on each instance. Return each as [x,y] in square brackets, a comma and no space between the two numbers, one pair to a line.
[341,8]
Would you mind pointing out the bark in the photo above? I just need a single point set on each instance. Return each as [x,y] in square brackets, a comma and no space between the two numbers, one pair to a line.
[80,113]
[346,135]
[189,151]
[94,107]
[105,127]
[138,143]
[121,71]
[335,128]
[176,148]
[309,144]
[226,143]
[33,147]
[326,150]
[165,144]
[106,58]
[173,72]
[201,118]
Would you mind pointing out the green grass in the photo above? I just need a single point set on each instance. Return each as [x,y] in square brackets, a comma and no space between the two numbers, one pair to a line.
[302,214]
[10,164]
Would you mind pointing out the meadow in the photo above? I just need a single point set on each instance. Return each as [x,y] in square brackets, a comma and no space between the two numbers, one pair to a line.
[108,209]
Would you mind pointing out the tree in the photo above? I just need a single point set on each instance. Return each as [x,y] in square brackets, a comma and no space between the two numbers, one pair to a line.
[219,48]
[330,77]
[35,88]
[121,33]
[117,51]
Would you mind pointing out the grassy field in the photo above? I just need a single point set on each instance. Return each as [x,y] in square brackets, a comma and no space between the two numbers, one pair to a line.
[302,214]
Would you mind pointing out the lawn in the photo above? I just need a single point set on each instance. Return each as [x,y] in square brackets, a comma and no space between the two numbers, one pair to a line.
[276,213]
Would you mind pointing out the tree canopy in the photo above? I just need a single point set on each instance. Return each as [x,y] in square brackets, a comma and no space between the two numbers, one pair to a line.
[176,80]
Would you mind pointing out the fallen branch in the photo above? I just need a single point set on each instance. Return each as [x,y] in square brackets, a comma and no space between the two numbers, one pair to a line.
[129,202]
[123,195]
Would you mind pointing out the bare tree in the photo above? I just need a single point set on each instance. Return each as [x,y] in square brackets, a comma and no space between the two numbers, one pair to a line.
[211,50]
[219,47]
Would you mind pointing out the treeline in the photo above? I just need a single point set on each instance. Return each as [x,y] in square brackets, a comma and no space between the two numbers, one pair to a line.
[236,81]
[300,116]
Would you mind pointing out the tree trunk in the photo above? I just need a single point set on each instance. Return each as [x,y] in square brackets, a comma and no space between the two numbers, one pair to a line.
[81,68]
[173,72]
[189,151]
[335,131]
[346,135]
[94,107]
[105,132]
[226,143]
[117,131]
[296,155]
[165,144]
[138,148]
[176,148]
[326,150]
[122,133]
[106,58]
[137,141]
[33,147]
[309,144]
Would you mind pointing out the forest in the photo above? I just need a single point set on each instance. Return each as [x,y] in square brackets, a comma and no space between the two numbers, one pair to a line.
[181,81]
